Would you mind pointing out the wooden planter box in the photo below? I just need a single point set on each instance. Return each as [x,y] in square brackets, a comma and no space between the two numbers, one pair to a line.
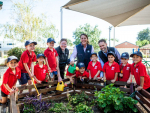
[16,104]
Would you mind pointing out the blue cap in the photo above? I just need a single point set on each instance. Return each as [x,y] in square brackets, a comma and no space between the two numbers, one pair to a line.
[50,40]
[125,55]
[138,53]
[39,55]
[94,54]
[111,53]
[12,58]
[81,65]
[29,42]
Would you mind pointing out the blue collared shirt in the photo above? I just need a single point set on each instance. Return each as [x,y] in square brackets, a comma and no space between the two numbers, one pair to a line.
[102,63]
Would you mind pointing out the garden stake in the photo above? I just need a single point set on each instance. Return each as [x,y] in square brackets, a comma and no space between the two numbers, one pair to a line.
[36,88]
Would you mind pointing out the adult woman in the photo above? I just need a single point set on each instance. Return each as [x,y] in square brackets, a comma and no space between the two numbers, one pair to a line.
[82,51]
[63,54]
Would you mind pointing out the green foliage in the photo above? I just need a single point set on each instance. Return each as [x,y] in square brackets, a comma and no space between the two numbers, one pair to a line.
[83,108]
[18,51]
[69,42]
[28,25]
[92,32]
[111,99]
[142,43]
[61,108]
[28,108]
[76,99]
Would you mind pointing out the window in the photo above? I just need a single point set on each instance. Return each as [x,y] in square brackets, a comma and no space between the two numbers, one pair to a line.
[5,52]
[10,44]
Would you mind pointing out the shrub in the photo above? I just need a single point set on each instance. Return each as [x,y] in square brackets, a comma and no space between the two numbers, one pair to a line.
[18,51]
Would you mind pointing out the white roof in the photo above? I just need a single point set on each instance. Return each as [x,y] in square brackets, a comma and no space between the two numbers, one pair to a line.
[116,12]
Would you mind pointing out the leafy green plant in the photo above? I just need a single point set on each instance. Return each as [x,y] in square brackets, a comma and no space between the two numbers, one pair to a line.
[83,108]
[60,108]
[111,98]
[78,98]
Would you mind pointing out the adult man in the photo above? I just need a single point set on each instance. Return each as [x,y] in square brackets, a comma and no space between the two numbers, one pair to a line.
[102,55]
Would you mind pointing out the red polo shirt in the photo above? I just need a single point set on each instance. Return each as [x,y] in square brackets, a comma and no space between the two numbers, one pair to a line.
[10,79]
[69,74]
[94,69]
[85,74]
[51,57]
[140,71]
[126,72]
[28,58]
[40,73]
[111,70]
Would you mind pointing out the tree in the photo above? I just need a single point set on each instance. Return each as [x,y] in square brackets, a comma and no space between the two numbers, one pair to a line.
[69,42]
[143,37]
[92,32]
[27,25]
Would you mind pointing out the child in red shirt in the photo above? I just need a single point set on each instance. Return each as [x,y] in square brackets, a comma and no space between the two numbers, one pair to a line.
[40,70]
[82,74]
[26,62]
[125,69]
[52,59]
[111,68]
[138,69]
[94,67]
[10,78]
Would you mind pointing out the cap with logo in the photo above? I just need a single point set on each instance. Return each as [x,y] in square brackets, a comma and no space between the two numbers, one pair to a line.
[39,55]
[111,53]
[125,55]
[50,40]
[29,42]
[138,53]
[93,54]
[12,58]
[81,65]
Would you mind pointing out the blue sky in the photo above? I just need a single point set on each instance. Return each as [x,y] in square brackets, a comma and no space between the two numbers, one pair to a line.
[72,20]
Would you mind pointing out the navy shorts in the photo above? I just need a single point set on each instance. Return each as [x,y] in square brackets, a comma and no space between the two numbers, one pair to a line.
[24,78]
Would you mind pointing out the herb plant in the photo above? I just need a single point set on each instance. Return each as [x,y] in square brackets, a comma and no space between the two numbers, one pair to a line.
[111,98]
[83,108]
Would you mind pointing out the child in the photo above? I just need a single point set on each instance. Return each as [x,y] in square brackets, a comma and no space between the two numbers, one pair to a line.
[94,67]
[10,78]
[52,59]
[138,69]
[70,75]
[111,68]
[26,62]
[40,70]
[125,69]
[82,74]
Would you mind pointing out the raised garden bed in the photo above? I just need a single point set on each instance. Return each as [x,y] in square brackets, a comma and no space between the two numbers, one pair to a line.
[61,101]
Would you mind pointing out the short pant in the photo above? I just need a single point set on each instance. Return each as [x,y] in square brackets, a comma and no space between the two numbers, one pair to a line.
[24,78]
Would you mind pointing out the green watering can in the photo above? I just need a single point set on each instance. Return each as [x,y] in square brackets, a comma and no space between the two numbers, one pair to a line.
[72,69]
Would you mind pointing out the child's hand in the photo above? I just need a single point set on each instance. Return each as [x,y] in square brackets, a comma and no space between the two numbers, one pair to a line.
[120,74]
[90,77]
[49,69]
[99,78]
[129,82]
[72,63]
[12,91]
[15,88]
[39,82]
[138,88]
[135,84]
[113,81]
[31,75]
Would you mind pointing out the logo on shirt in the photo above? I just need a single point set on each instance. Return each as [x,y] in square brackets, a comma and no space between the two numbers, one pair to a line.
[88,51]
[95,67]
[44,71]
[54,53]
[112,68]
[128,68]
[137,70]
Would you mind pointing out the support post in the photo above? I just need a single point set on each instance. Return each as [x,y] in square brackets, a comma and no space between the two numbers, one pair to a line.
[61,22]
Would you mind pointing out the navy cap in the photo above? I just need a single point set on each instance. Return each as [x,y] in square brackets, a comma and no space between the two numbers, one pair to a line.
[81,65]
[93,54]
[125,55]
[39,55]
[50,40]
[12,58]
[138,53]
[68,61]
[111,53]
[29,42]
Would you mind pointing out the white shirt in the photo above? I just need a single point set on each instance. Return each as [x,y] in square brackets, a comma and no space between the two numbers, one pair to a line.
[74,54]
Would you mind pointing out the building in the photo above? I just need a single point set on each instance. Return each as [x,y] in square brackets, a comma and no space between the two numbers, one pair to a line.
[5,46]
[126,47]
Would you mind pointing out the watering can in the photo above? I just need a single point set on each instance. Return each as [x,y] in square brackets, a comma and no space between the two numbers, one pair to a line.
[60,86]
[72,69]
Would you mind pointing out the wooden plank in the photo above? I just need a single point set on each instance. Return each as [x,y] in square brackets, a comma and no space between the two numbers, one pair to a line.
[120,83]
[13,104]
[40,85]
[139,109]
[145,93]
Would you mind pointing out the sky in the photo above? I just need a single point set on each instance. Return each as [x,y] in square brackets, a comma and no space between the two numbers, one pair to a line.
[72,20]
